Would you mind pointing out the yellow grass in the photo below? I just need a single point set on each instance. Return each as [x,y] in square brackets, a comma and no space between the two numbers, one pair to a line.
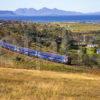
[22,84]
[81,27]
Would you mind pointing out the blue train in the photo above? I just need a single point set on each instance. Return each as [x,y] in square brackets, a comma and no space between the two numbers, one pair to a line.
[35,53]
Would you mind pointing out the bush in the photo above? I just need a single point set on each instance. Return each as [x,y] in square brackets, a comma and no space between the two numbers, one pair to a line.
[90,61]
[91,51]
[19,59]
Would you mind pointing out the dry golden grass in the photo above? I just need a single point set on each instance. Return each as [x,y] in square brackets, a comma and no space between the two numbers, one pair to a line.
[22,84]
[80,27]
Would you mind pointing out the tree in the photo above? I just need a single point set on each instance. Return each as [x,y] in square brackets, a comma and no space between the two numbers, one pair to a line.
[58,41]
[67,41]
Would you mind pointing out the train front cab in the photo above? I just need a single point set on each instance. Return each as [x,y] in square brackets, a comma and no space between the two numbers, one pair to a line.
[67,60]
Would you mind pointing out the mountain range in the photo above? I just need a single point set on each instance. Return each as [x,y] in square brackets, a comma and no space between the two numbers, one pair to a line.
[6,13]
[42,12]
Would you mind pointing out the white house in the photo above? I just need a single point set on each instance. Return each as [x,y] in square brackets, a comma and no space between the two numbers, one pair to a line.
[92,45]
[98,51]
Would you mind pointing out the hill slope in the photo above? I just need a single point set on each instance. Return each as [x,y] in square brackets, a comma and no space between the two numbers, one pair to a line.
[39,85]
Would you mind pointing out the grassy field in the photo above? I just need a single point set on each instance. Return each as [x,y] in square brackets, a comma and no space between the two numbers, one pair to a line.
[22,84]
[36,79]
[80,27]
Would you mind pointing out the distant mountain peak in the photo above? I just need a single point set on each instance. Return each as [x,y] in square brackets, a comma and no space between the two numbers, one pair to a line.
[44,9]
[31,9]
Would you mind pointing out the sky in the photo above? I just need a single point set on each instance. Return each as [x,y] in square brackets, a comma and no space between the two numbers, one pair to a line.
[68,5]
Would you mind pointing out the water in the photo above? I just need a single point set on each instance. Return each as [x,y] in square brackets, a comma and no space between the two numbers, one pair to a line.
[81,18]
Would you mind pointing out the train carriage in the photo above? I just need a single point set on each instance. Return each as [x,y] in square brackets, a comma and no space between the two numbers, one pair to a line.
[8,46]
[44,55]
[23,50]
[32,52]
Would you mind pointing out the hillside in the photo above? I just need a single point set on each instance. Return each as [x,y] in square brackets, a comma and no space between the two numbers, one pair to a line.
[39,85]
[30,78]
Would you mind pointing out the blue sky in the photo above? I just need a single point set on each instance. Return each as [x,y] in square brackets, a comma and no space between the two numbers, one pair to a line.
[68,5]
